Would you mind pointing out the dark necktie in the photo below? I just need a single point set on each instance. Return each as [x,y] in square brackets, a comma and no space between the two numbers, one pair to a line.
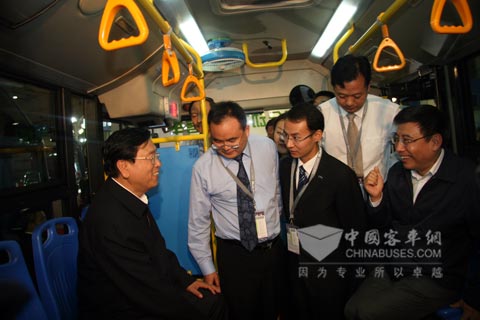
[302,179]
[246,210]
[354,157]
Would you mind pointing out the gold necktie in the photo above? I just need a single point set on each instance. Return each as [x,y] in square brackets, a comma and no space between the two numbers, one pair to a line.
[354,156]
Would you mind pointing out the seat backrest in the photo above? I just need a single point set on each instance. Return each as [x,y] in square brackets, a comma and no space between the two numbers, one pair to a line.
[14,274]
[55,248]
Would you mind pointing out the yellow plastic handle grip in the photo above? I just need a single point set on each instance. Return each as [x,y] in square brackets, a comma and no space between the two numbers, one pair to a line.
[266,64]
[169,60]
[387,42]
[191,79]
[463,11]
[109,13]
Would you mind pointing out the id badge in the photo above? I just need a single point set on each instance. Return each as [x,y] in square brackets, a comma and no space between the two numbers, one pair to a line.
[261,225]
[292,239]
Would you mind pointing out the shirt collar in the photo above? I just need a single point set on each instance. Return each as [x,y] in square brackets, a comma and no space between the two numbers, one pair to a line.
[433,169]
[143,198]
[358,113]
[308,166]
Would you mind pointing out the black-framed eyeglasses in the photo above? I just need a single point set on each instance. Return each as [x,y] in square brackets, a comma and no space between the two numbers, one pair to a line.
[216,146]
[284,137]
[152,158]
[405,141]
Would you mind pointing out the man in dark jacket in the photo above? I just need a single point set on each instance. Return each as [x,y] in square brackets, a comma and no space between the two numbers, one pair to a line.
[430,204]
[125,270]
[329,198]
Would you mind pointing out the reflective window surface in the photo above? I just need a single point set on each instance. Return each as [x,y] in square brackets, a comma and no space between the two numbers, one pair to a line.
[473,66]
[28,147]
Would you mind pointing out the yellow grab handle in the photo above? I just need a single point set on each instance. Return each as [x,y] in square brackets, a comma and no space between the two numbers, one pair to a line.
[169,59]
[191,79]
[266,64]
[388,42]
[463,11]
[109,13]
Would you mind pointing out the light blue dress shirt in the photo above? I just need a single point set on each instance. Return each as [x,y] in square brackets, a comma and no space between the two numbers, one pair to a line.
[213,190]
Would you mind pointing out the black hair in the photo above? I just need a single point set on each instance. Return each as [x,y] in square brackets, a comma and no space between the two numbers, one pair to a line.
[210,100]
[122,145]
[307,111]
[301,93]
[283,116]
[224,109]
[347,68]
[325,93]
[429,118]
[271,123]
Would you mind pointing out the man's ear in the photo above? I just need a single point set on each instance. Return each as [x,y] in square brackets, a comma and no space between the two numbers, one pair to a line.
[318,135]
[123,167]
[437,141]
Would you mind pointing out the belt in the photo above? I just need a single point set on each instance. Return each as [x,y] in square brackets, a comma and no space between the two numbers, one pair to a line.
[265,245]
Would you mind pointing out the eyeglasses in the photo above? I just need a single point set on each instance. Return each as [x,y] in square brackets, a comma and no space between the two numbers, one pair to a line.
[405,141]
[152,159]
[216,146]
[296,139]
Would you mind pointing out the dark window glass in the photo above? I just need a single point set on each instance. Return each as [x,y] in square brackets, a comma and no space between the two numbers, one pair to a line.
[28,147]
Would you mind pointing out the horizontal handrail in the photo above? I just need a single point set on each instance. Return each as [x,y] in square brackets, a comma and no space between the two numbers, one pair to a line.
[266,64]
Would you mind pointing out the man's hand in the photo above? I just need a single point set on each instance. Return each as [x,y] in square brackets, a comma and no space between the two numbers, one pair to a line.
[196,285]
[373,184]
[213,279]
[469,313]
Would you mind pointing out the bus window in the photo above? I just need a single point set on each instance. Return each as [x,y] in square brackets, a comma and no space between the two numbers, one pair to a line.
[28,147]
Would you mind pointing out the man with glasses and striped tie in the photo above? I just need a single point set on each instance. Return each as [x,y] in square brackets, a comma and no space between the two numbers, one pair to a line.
[317,190]
[236,182]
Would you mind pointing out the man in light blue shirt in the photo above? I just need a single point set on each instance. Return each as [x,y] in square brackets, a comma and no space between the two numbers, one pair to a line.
[248,275]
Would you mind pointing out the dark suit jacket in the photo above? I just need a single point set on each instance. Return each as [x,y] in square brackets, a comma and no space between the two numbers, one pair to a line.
[449,203]
[332,198]
[124,269]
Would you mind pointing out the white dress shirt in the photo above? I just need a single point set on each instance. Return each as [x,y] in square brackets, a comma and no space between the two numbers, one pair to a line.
[375,129]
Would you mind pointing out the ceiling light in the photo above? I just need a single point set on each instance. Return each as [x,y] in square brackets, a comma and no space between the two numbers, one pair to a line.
[337,23]
[177,10]
[192,34]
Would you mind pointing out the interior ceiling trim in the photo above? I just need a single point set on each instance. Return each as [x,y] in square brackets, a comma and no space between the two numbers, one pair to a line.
[229,7]
[15,14]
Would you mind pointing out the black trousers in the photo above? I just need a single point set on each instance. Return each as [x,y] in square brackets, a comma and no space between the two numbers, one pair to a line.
[312,296]
[253,283]
[211,306]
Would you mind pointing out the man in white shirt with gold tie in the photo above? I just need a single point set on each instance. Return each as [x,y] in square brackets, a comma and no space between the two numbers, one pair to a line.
[362,142]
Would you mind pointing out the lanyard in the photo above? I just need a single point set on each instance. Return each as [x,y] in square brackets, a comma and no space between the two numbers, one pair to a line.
[353,154]
[293,169]
[238,182]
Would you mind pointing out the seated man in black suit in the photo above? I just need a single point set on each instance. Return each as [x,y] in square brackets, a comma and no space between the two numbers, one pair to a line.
[430,202]
[317,189]
[125,270]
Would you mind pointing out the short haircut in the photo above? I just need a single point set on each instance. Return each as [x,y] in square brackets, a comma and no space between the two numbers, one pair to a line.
[347,68]
[224,109]
[270,123]
[301,93]
[307,111]
[429,118]
[210,100]
[122,145]
[283,116]
[325,93]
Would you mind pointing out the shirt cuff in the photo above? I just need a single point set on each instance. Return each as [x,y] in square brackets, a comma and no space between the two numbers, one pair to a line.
[207,268]
[375,204]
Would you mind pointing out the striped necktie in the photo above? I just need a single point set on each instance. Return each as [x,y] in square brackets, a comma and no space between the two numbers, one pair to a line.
[246,210]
